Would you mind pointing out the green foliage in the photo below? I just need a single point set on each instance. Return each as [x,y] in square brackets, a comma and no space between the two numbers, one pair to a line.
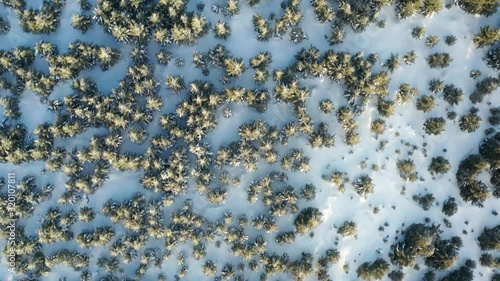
[435,125]
[483,88]
[375,270]
[439,165]
[392,62]
[406,169]
[445,254]
[81,22]
[482,7]
[439,60]
[452,95]
[431,41]
[488,260]
[418,32]
[262,27]
[283,238]
[221,30]
[363,185]
[378,126]
[406,8]
[487,36]
[490,150]
[323,10]
[337,35]
[298,35]
[450,207]
[385,107]
[396,275]
[405,93]
[326,106]
[493,58]
[308,192]
[469,122]
[436,86]
[419,241]
[308,219]
[410,57]
[348,228]
[98,237]
[43,21]
[450,40]
[426,103]
[11,107]
[463,273]
[474,192]
[4,26]
[424,201]
[489,239]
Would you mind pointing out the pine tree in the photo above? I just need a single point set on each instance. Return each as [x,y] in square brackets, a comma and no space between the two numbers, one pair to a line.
[450,40]
[489,239]
[418,32]
[81,22]
[435,125]
[487,36]
[469,122]
[482,7]
[431,41]
[222,30]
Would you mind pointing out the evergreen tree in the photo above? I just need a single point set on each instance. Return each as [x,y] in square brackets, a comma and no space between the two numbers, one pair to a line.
[487,36]
[493,58]
[418,32]
[469,122]
[439,165]
[435,126]
[450,40]
[222,30]
[426,103]
[439,60]
[373,271]
[431,41]
[308,219]
[450,207]
[81,22]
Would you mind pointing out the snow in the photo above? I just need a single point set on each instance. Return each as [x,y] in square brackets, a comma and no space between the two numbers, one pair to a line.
[405,126]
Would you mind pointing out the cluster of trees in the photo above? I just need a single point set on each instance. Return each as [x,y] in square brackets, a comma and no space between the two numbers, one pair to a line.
[166,21]
[28,196]
[405,8]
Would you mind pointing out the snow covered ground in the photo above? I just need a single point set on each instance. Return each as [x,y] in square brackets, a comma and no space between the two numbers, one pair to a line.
[397,208]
